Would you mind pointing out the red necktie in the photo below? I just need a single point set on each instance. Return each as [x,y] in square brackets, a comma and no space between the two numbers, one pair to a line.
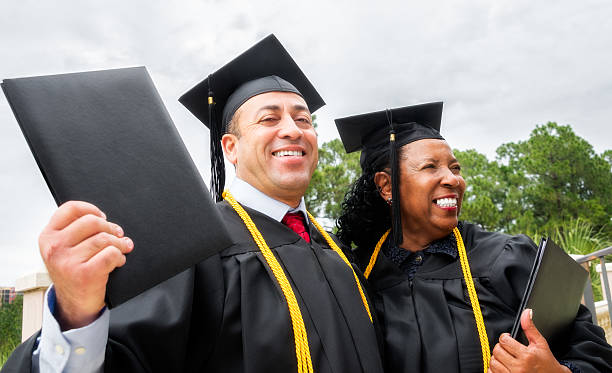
[297,223]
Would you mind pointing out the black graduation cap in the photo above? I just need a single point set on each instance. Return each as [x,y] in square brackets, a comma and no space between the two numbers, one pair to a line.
[265,67]
[379,134]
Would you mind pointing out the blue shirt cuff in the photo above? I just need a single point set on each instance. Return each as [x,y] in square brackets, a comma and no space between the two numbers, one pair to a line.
[75,350]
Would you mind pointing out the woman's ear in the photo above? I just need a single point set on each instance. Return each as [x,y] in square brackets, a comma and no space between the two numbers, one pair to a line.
[383,182]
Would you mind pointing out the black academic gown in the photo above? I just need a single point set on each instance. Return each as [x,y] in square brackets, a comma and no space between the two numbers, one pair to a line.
[428,323]
[228,314]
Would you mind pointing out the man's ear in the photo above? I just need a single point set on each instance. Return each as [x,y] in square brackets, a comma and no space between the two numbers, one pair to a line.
[383,182]
[230,145]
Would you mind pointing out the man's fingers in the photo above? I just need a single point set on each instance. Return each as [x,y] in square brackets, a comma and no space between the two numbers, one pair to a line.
[531,332]
[87,226]
[97,243]
[512,346]
[70,211]
[106,260]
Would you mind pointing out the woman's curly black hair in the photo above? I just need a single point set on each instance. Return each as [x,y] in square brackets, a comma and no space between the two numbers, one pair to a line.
[365,215]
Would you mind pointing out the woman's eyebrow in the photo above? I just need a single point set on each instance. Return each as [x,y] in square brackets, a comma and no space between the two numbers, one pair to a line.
[428,159]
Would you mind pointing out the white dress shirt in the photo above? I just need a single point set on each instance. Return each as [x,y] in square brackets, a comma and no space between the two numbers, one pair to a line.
[251,197]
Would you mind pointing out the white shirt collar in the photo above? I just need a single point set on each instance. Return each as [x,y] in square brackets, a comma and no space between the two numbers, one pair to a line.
[252,197]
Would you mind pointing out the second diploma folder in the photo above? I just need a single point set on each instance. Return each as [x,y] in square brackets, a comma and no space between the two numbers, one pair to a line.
[105,137]
[553,292]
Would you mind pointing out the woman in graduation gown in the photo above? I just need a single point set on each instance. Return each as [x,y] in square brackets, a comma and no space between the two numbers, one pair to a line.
[426,312]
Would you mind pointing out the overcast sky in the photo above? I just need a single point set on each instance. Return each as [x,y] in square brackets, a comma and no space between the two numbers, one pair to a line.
[500,67]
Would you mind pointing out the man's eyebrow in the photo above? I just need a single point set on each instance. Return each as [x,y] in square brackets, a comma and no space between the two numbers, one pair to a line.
[298,107]
[268,107]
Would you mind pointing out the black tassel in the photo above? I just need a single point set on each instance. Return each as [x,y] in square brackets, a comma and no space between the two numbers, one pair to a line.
[217,165]
[396,214]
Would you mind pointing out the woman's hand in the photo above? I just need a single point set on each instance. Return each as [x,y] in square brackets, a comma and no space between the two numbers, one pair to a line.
[509,355]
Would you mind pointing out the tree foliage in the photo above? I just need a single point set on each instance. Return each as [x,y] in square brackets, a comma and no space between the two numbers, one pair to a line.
[552,184]
[561,177]
[539,184]
[10,327]
[335,172]
[485,193]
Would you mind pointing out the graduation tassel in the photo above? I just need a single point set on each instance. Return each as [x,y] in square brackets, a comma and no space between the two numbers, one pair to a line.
[396,217]
[217,169]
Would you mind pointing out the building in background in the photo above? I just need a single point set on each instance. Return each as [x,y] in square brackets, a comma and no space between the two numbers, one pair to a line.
[7,295]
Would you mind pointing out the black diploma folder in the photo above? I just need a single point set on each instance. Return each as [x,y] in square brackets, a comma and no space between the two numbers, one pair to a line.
[105,137]
[553,292]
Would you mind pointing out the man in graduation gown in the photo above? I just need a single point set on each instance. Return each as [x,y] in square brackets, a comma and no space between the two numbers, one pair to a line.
[298,308]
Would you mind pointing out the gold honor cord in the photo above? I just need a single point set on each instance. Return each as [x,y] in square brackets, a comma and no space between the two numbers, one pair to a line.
[467,275]
[374,256]
[335,247]
[302,351]
[469,282]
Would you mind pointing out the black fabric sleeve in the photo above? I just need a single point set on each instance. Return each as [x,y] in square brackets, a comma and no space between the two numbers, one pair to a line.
[170,328]
[510,270]
[585,346]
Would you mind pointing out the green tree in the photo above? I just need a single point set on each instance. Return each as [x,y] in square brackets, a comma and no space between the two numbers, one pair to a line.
[335,172]
[607,155]
[550,185]
[494,196]
[558,177]
[10,327]
[484,192]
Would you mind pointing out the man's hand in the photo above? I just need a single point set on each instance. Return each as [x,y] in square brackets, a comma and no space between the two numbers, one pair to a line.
[509,355]
[80,248]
